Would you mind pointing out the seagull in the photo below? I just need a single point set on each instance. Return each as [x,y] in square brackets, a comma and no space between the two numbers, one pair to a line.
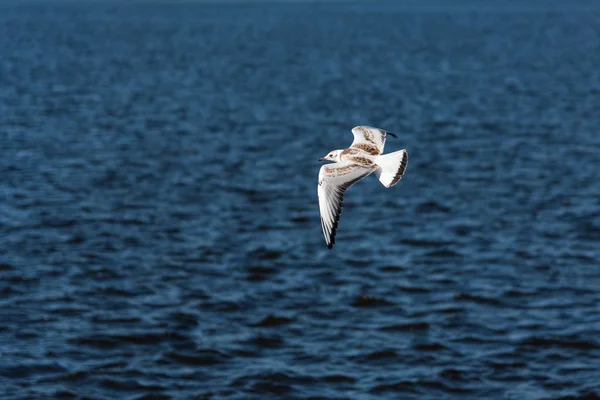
[362,158]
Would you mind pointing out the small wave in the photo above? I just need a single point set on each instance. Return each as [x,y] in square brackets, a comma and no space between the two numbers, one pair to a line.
[454,374]
[477,299]
[566,342]
[381,354]
[272,321]
[417,387]
[6,267]
[267,342]
[414,289]
[443,253]
[338,378]
[64,394]
[426,243]
[199,357]
[154,396]
[399,387]
[129,385]
[273,382]
[74,376]
[259,273]
[417,326]
[265,254]
[370,301]
[184,320]
[584,396]
[432,207]
[107,341]
[430,347]
[392,268]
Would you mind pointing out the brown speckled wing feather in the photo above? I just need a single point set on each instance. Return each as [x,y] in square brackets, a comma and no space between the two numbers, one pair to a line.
[334,180]
[369,139]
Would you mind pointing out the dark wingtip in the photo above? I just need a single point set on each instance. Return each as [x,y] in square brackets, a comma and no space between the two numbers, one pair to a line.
[330,246]
[393,134]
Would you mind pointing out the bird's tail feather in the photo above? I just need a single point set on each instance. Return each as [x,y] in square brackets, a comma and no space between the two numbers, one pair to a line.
[391,167]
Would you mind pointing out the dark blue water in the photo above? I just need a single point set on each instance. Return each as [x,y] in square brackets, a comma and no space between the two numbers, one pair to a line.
[159,225]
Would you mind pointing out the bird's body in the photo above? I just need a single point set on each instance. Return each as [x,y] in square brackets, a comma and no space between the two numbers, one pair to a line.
[361,159]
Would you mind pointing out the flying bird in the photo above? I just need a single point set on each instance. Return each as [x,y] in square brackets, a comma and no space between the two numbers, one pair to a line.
[362,158]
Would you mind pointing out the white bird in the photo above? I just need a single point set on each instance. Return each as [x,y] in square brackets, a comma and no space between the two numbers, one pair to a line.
[351,165]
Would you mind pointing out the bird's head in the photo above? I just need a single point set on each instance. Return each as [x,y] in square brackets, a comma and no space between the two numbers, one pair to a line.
[334,155]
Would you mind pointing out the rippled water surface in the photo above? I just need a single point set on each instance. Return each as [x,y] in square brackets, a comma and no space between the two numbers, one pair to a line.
[159,228]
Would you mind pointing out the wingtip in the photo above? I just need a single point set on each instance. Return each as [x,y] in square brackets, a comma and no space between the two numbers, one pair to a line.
[393,134]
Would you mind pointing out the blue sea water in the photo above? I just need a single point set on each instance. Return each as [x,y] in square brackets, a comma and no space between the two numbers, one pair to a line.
[159,227]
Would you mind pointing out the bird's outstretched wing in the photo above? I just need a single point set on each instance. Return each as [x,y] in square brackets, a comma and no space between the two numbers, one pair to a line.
[334,179]
[369,139]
